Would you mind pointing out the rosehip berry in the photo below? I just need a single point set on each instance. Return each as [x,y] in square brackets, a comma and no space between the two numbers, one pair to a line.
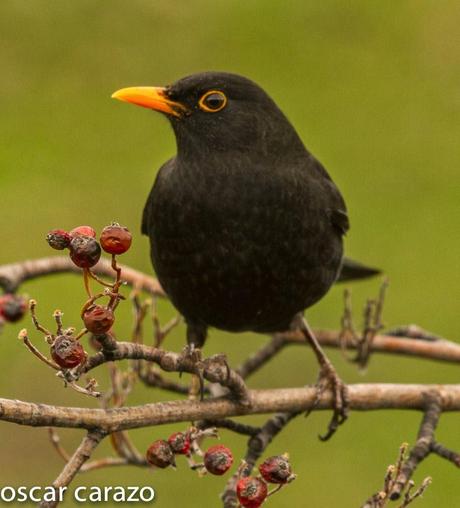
[276,469]
[84,251]
[179,443]
[58,239]
[83,231]
[115,239]
[12,307]
[67,352]
[218,459]
[160,454]
[251,492]
[98,319]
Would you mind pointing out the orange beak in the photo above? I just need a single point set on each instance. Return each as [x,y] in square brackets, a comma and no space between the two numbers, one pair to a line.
[151,97]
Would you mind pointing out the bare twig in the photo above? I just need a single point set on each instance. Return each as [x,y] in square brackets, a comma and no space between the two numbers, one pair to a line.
[381,498]
[440,350]
[13,275]
[256,447]
[262,356]
[363,397]
[74,464]
[424,445]
[238,427]
[214,368]
[152,377]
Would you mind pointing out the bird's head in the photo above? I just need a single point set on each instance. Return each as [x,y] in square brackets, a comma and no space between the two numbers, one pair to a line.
[216,112]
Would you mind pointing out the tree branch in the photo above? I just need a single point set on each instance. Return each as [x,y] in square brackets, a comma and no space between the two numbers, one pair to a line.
[81,455]
[14,274]
[256,447]
[363,397]
[442,350]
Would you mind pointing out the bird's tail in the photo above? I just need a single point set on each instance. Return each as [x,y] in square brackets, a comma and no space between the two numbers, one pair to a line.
[353,270]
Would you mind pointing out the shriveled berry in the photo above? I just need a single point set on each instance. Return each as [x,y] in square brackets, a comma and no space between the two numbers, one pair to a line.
[251,492]
[67,352]
[83,231]
[12,307]
[84,251]
[277,469]
[115,239]
[98,319]
[180,443]
[58,239]
[218,459]
[160,454]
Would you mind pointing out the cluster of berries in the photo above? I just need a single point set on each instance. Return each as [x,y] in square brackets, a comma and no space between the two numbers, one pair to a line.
[84,249]
[161,453]
[252,491]
[12,307]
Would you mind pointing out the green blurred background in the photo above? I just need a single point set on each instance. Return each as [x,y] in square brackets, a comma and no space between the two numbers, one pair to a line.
[373,89]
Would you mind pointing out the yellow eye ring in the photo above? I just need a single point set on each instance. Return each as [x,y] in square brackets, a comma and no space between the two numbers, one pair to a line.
[213,101]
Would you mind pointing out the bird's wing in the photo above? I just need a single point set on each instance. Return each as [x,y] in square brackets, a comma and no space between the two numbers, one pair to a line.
[339,220]
[162,173]
[337,210]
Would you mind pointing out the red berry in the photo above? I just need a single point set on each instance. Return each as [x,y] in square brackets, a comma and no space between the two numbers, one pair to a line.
[180,443]
[277,469]
[98,319]
[58,239]
[84,251]
[83,231]
[115,239]
[218,459]
[251,492]
[12,307]
[160,454]
[67,352]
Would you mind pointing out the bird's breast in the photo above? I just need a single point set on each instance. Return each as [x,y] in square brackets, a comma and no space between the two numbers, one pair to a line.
[241,250]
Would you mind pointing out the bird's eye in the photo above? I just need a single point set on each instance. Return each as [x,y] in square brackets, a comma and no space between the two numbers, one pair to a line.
[213,101]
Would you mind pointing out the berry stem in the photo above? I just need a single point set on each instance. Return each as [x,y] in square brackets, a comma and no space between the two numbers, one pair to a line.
[274,491]
[118,270]
[80,335]
[38,326]
[25,339]
[99,280]
[86,281]
[90,302]
[57,314]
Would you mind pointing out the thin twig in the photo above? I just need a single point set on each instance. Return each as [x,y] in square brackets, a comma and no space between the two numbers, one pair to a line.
[422,447]
[256,447]
[13,275]
[74,464]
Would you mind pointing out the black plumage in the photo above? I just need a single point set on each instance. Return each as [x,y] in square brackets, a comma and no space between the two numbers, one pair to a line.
[245,225]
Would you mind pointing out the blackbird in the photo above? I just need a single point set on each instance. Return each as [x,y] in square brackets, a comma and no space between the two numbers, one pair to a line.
[245,225]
